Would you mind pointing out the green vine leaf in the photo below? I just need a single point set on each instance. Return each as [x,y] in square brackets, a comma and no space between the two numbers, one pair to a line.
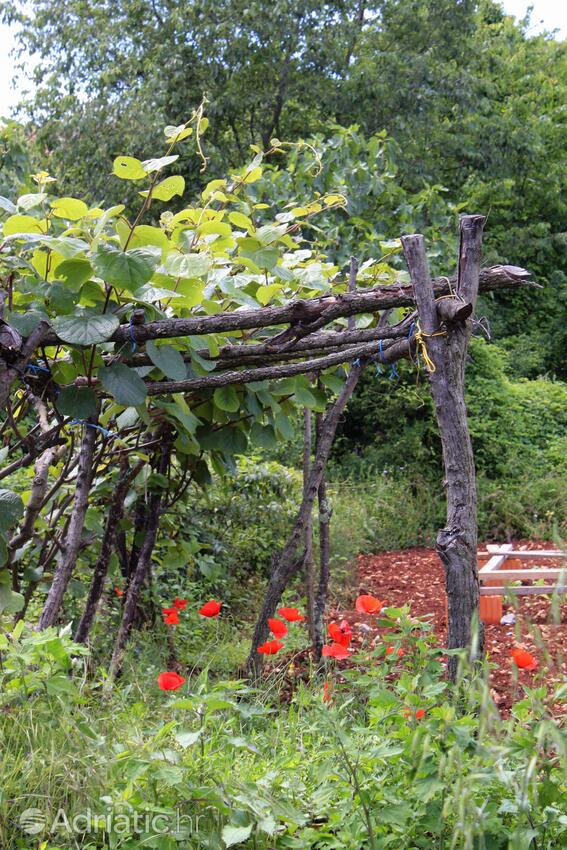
[126,269]
[124,384]
[85,328]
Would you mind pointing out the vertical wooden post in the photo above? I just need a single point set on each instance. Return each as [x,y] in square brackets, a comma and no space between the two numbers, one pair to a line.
[446,347]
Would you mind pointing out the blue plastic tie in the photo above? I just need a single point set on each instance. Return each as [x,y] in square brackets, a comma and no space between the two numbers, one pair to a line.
[132,337]
[411,330]
[35,368]
[102,430]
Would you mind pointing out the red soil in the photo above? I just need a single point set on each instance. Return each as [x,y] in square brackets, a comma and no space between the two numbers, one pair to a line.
[416,576]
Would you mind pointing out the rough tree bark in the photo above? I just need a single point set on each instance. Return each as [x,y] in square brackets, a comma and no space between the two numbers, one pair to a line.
[115,513]
[72,543]
[11,371]
[144,560]
[331,307]
[324,559]
[447,348]
[37,496]
[308,566]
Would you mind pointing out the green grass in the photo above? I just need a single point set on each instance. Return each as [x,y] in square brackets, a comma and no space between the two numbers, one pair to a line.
[275,767]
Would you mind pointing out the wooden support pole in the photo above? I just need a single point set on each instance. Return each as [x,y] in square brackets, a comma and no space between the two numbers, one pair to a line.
[446,353]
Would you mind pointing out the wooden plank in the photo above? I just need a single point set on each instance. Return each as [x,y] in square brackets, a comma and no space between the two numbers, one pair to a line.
[498,559]
[524,591]
[525,575]
[526,554]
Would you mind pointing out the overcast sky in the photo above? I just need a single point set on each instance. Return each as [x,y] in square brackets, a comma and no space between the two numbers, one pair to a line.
[547,14]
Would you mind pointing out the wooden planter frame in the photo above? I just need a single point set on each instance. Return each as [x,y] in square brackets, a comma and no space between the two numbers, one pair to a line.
[504,565]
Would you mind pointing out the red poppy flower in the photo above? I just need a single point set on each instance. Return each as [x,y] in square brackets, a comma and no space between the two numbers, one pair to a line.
[170,681]
[172,619]
[180,604]
[335,650]
[270,647]
[277,628]
[418,714]
[341,633]
[210,608]
[399,653]
[367,604]
[118,592]
[167,611]
[524,659]
[292,615]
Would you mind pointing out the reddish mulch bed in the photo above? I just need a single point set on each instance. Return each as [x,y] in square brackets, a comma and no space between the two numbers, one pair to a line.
[416,576]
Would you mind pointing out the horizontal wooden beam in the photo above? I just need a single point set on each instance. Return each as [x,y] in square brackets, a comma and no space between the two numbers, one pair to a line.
[304,312]
[395,351]
[543,590]
[526,554]
[522,575]
[497,560]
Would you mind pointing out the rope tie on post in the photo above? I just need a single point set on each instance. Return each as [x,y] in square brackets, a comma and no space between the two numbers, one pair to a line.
[420,336]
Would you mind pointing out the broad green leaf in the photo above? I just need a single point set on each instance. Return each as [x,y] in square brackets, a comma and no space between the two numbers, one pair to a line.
[79,402]
[143,235]
[167,189]
[218,227]
[10,601]
[187,739]
[229,440]
[70,208]
[263,436]
[126,269]
[241,220]
[60,684]
[232,835]
[11,509]
[176,134]
[157,164]
[74,272]
[192,292]
[264,294]
[253,175]
[7,205]
[149,294]
[85,329]
[226,398]
[168,360]
[124,384]
[128,168]
[23,224]
[187,265]
[67,246]
[28,202]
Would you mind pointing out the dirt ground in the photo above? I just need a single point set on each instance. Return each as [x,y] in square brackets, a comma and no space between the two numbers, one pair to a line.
[416,576]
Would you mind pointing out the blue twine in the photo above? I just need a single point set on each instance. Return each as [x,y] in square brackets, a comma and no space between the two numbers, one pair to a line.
[356,362]
[393,372]
[102,430]
[378,367]
[411,330]
[34,368]
[132,337]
